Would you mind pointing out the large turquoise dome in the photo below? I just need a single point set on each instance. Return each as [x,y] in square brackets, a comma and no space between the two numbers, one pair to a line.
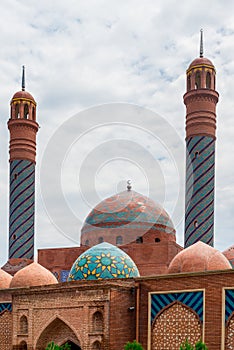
[103,261]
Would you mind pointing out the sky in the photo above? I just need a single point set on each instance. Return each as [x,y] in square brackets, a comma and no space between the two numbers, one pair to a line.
[109,78]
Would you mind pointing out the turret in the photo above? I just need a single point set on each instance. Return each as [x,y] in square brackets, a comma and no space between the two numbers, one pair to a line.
[200,100]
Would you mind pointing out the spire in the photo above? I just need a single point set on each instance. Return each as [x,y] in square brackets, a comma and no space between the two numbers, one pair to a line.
[201,43]
[23,78]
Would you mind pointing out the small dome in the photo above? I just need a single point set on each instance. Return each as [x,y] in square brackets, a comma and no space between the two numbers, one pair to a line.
[131,213]
[198,257]
[24,95]
[229,254]
[33,275]
[103,261]
[200,61]
[5,279]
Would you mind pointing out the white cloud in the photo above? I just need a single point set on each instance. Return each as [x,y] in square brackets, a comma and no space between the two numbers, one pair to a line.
[79,54]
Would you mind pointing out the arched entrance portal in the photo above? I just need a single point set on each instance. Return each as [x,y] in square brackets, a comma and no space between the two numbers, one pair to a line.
[72,345]
[60,333]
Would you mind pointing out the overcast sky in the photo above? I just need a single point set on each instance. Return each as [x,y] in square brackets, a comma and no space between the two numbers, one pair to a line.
[82,54]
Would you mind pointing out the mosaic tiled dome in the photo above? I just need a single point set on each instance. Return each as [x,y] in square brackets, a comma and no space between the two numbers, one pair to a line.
[103,261]
[128,211]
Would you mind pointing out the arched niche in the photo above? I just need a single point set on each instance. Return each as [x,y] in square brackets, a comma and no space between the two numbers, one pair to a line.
[59,332]
[173,325]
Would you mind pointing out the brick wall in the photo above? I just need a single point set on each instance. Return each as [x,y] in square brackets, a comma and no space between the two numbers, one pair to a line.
[212,282]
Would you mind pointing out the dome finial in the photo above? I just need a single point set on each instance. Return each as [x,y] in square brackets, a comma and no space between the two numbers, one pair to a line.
[23,78]
[201,43]
[129,187]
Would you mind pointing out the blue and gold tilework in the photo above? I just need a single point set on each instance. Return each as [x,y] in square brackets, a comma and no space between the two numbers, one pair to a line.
[103,261]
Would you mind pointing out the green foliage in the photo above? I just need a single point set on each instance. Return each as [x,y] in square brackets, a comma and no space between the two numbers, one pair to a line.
[198,346]
[133,346]
[53,346]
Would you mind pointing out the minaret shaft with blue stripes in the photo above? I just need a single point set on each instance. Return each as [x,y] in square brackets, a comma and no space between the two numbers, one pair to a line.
[200,100]
[23,128]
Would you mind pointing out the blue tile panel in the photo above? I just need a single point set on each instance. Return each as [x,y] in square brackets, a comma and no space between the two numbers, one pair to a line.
[194,300]
[199,203]
[103,261]
[5,306]
[64,275]
[22,202]
[127,207]
[229,303]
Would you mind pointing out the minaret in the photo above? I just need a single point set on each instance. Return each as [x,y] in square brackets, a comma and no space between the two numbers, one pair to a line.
[23,129]
[200,100]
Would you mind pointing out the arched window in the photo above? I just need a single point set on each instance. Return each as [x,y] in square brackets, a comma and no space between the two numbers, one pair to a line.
[189,82]
[26,111]
[33,114]
[96,345]
[98,322]
[198,80]
[23,325]
[23,345]
[139,239]
[208,80]
[87,242]
[17,111]
[119,240]
[100,240]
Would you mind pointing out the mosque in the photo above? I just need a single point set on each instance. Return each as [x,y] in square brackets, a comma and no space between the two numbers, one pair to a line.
[129,279]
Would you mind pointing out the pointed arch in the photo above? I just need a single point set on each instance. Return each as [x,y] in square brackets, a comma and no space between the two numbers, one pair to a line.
[23,325]
[26,111]
[208,80]
[98,321]
[17,111]
[173,325]
[198,80]
[96,345]
[59,332]
[23,345]
[229,339]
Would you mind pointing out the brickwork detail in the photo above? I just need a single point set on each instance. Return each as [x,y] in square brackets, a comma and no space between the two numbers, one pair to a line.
[5,330]
[173,325]
[229,344]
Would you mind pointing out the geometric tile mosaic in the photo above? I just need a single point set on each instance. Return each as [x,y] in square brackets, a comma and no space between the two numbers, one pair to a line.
[64,275]
[229,303]
[5,306]
[194,300]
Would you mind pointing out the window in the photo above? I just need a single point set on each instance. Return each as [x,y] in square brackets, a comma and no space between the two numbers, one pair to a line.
[96,345]
[196,154]
[139,240]
[98,322]
[198,80]
[195,224]
[189,83]
[17,111]
[23,346]
[26,111]
[119,240]
[157,240]
[87,242]
[23,325]
[208,80]
[100,240]
[33,114]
